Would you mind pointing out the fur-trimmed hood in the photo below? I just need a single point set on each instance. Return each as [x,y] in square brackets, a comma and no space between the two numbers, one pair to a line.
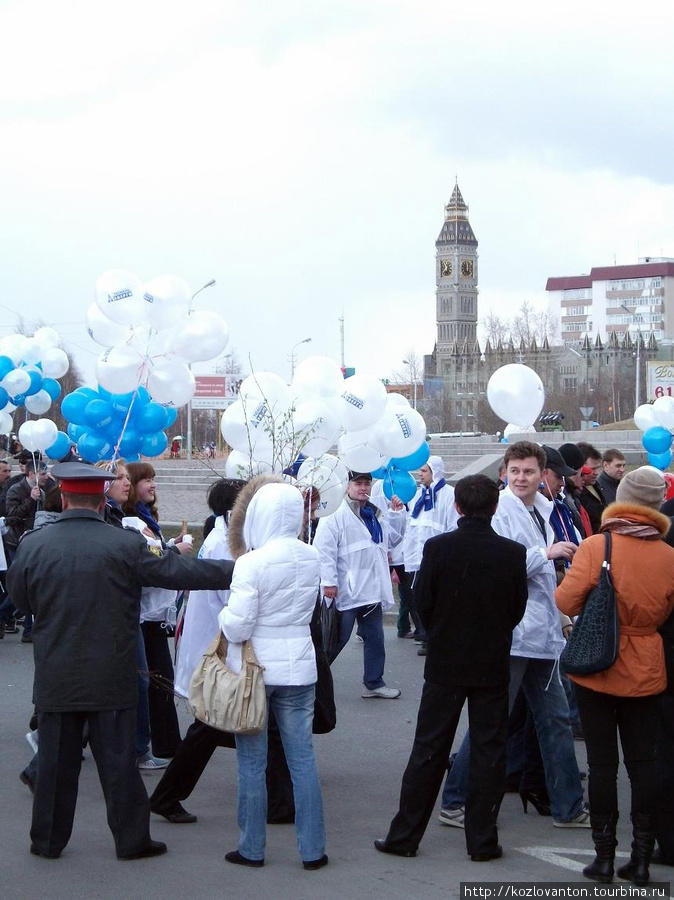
[237,518]
[640,515]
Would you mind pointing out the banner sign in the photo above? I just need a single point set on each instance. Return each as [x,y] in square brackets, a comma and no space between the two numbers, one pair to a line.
[215,391]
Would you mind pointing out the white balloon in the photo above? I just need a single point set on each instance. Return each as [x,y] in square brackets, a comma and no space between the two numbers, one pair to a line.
[55,363]
[516,394]
[47,338]
[644,417]
[329,476]
[6,423]
[268,387]
[517,429]
[103,330]
[397,401]
[26,435]
[171,381]
[242,465]
[317,378]
[43,434]
[119,369]
[16,382]
[200,336]
[166,300]
[315,428]
[248,428]
[663,409]
[32,352]
[38,403]
[13,346]
[399,432]
[362,401]
[358,453]
[118,295]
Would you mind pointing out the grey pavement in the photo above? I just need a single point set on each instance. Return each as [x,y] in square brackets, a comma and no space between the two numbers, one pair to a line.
[360,763]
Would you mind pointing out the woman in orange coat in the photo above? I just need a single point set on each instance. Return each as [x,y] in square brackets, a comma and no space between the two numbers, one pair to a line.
[626,697]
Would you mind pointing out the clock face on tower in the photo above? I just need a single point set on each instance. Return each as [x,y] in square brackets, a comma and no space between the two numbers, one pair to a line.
[445,267]
[467,268]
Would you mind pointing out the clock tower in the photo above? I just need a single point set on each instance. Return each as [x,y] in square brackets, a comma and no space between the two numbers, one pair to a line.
[456,278]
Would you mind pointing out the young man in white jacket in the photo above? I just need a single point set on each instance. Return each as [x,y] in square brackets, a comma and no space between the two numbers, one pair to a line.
[432,512]
[353,544]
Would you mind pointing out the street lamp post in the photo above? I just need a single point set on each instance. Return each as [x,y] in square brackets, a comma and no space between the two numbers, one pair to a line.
[292,355]
[637,388]
[413,376]
[189,402]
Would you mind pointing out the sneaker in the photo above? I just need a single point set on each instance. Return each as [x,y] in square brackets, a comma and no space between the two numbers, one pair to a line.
[386,693]
[11,627]
[410,634]
[423,650]
[417,640]
[580,820]
[453,817]
[26,638]
[150,763]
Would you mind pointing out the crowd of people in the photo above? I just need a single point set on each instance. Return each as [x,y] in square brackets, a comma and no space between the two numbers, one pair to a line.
[490,576]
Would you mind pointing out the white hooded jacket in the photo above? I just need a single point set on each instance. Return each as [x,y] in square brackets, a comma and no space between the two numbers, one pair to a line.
[274,589]
[539,634]
[441,518]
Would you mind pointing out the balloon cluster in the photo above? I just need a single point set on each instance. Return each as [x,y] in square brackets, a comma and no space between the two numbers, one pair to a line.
[151,335]
[104,425]
[516,394]
[271,423]
[42,435]
[657,422]
[29,367]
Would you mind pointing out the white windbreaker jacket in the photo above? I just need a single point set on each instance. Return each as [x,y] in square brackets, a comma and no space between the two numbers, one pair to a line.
[539,634]
[200,624]
[443,517]
[352,561]
[274,590]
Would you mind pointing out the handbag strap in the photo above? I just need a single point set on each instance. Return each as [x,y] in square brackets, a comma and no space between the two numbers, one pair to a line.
[607,551]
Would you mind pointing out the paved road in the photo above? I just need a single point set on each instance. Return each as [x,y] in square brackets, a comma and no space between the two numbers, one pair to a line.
[360,763]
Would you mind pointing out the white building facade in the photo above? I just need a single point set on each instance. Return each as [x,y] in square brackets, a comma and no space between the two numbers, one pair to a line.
[615,299]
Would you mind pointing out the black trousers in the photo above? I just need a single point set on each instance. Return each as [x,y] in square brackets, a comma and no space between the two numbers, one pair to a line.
[437,722]
[164,726]
[112,737]
[194,754]
[666,767]
[636,720]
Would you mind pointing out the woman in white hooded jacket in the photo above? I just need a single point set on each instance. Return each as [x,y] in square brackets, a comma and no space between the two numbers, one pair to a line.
[273,594]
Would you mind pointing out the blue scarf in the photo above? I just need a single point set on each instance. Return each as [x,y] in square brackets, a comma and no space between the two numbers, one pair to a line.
[561,521]
[428,499]
[143,511]
[368,514]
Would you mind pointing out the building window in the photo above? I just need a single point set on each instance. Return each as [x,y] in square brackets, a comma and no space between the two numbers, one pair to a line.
[568,370]
[570,384]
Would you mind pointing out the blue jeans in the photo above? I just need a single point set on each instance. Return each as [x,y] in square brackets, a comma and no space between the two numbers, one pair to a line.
[539,679]
[371,628]
[293,708]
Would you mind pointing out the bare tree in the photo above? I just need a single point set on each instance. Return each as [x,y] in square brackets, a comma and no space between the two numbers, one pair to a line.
[413,370]
[495,329]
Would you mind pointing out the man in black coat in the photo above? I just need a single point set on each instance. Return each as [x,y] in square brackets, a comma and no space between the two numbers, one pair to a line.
[472,593]
[82,580]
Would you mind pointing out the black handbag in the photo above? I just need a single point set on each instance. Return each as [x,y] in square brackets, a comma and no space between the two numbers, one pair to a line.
[595,639]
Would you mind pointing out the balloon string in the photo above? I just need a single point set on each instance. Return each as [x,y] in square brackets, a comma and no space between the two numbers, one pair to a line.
[115,452]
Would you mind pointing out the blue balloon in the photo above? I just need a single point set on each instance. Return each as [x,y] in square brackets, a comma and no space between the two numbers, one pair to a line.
[36,380]
[52,387]
[98,413]
[87,392]
[73,406]
[6,366]
[153,444]
[18,400]
[171,415]
[60,446]
[414,461]
[130,443]
[142,396]
[401,484]
[75,432]
[4,397]
[93,447]
[381,472]
[657,439]
[661,460]
[121,402]
[133,457]
[150,418]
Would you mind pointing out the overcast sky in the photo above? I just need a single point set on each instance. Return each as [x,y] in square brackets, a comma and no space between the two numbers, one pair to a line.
[301,153]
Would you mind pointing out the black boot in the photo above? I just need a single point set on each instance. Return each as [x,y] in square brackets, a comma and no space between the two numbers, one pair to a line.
[643,831]
[603,836]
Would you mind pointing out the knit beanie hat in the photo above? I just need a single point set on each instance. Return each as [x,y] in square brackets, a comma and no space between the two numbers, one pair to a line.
[437,467]
[645,486]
